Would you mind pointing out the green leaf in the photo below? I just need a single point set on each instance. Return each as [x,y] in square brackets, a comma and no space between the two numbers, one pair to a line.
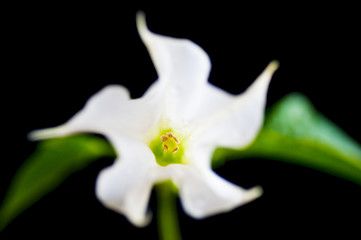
[295,132]
[52,162]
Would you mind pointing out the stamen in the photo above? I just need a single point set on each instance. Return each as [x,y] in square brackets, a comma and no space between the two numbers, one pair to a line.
[163,138]
[170,142]
[168,149]
[175,150]
[174,137]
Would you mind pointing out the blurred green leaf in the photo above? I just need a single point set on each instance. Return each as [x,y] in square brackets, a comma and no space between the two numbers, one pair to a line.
[52,162]
[295,132]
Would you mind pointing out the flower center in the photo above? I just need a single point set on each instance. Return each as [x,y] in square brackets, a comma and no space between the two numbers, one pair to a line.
[167,148]
[170,142]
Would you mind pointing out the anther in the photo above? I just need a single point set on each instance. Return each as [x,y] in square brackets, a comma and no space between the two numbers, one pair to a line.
[175,150]
[170,142]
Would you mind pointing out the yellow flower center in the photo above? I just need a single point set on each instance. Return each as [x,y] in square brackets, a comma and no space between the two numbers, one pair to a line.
[170,142]
[167,148]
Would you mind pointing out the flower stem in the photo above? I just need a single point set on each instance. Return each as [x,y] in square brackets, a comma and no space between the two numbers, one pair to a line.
[167,217]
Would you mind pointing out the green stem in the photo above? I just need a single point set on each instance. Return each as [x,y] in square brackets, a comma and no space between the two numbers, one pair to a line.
[167,217]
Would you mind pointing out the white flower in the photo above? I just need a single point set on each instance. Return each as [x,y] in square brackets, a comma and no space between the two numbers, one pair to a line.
[171,132]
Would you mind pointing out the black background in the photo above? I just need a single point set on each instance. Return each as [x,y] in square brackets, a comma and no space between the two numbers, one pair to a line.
[56,56]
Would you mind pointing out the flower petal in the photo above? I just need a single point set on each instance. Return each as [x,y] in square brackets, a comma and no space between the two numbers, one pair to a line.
[203,193]
[108,111]
[125,186]
[237,124]
[183,69]
[175,59]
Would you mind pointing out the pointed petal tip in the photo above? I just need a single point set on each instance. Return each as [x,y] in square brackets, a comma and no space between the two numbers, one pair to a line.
[141,23]
[253,194]
[273,66]
[37,135]
[42,134]
[266,76]
[142,221]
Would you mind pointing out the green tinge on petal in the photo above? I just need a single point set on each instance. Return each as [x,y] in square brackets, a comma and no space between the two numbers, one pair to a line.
[165,157]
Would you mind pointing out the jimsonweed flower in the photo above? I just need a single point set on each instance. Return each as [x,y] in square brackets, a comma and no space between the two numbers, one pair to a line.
[171,132]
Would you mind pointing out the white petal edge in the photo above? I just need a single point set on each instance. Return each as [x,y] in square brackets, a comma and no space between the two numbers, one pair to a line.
[237,125]
[183,68]
[123,190]
[176,58]
[109,111]
[203,193]
[125,186]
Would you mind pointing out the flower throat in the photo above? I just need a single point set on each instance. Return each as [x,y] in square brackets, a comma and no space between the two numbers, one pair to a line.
[167,148]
